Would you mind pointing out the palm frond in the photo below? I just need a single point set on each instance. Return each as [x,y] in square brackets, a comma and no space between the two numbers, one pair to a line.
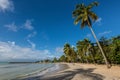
[76,13]
[80,6]
[83,23]
[78,19]
[92,5]
[92,15]
[84,15]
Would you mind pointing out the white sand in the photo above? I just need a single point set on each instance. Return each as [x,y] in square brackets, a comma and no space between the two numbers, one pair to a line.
[108,74]
[77,71]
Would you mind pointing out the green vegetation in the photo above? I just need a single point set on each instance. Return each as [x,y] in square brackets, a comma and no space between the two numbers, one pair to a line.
[84,14]
[88,52]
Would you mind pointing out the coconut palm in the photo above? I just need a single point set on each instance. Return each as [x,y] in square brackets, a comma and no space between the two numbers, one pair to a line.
[68,52]
[82,49]
[86,16]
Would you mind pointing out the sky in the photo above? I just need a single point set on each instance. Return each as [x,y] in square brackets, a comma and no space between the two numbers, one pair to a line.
[38,29]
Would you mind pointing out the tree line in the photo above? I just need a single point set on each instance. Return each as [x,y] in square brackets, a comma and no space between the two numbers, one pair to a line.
[87,52]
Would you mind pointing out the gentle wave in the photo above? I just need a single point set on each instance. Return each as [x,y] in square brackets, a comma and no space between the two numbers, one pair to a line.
[12,71]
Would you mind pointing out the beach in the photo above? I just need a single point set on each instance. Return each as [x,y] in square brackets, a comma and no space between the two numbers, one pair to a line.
[77,71]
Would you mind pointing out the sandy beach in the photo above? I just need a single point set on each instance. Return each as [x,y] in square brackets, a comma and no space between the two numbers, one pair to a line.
[77,71]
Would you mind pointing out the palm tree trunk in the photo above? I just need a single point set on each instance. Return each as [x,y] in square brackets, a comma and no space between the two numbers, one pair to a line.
[106,61]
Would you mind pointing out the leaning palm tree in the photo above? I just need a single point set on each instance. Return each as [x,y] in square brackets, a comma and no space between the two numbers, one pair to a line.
[86,16]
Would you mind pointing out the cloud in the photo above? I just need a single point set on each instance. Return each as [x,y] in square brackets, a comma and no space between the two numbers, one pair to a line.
[12,27]
[104,33]
[10,51]
[32,34]
[28,25]
[6,5]
[88,35]
[98,21]
[58,52]
[59,49]
[32,44]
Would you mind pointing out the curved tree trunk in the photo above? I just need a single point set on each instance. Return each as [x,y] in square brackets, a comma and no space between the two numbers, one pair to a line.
[106,61]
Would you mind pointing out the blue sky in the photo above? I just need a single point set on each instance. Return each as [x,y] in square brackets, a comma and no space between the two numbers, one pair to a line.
[38,29]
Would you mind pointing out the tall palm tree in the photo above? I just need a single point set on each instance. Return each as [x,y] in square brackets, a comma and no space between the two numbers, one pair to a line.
[86,16]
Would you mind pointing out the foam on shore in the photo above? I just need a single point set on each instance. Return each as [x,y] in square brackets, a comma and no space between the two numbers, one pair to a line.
[43,73]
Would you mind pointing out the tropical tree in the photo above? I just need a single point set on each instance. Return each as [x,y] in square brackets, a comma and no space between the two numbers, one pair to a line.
[115,50]
[86,16]
[69,53]
[62,58]
[92,52]
[82,47]
[80,54]
[55,60]
[73,55]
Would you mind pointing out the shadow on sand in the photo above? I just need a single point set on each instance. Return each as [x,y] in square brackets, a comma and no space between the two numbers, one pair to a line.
[85,74]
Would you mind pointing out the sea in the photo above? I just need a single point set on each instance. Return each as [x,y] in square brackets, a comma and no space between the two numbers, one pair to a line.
[9,71]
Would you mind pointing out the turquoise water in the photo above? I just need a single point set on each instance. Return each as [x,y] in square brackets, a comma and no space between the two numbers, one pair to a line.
[12,71]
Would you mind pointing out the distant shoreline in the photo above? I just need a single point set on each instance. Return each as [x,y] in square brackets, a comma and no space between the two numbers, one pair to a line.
[19,62]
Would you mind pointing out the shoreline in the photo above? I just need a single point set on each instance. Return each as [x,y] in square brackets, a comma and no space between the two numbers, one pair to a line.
[78,71]
[44,73]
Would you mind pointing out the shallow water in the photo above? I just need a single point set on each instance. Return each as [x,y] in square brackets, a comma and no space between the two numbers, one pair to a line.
[12,71]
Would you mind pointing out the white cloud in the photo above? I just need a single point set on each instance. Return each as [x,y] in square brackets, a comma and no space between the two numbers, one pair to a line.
[32,44]
[28,25]
[6,5]
[10,51]
[12,27]
[58,52]
[104,33]
[88,35]
[99,20]
[32,34]
[59,49]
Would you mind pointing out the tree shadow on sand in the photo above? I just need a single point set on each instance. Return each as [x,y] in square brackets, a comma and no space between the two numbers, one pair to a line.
[85,74]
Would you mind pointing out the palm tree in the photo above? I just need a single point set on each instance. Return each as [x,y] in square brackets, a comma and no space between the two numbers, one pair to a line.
[62,58]
[85,15]
[91,51]
[68,52]
[82,49]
